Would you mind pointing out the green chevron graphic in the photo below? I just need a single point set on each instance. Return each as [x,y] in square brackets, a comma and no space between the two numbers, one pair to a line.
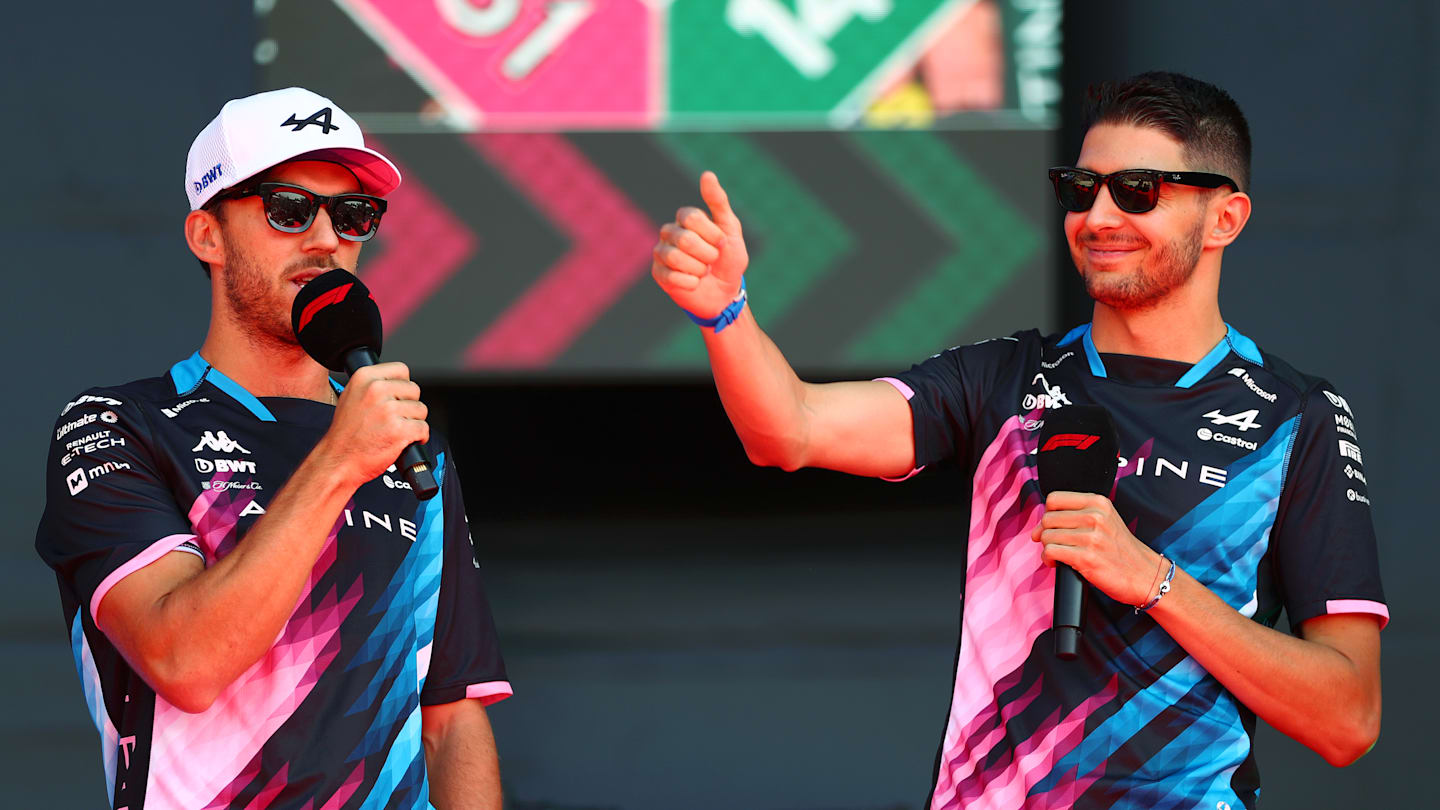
[992,241]
[801,238]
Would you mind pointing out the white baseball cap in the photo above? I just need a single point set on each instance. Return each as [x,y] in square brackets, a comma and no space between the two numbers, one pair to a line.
[252,134]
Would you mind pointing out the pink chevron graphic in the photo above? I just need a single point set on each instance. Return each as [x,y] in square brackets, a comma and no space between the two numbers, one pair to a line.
[526,64]
[352,783]
[611,250]
[266,796]
[1006,784]
[422,245]
[228,736]
[1008,596]
[214,515]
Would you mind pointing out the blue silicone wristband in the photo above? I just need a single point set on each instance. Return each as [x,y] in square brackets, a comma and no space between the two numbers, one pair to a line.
[727,315]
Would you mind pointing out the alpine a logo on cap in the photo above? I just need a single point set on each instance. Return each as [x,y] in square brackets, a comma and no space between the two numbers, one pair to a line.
[320,118]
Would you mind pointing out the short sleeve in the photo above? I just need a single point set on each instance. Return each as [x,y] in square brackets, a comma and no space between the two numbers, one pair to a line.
[465,660]
[108,509]
[946,393]
[1326,556]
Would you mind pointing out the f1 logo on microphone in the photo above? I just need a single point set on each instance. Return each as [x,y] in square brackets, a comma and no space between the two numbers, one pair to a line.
[1079,441]
[324,300]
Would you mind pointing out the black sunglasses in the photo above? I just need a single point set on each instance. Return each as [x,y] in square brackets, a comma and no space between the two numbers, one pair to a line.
[290,208]
[1134,191]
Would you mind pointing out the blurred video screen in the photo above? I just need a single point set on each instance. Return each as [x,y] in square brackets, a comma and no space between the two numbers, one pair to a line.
[887,159]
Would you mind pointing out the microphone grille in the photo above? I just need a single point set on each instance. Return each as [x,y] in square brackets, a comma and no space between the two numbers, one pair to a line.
[333,314]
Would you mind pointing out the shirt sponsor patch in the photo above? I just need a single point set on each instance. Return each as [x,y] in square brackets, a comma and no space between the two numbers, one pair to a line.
[1251,384]
[1052,396]
[218,442]
[175,411]
[1338,401]
[1351,451]
[114,403]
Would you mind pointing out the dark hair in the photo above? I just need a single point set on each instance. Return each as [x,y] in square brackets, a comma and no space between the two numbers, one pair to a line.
[1204,119]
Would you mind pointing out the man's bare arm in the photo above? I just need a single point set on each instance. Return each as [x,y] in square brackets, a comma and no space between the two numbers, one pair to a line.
[1323,690]
[856,427]
[189,631]
[460,756]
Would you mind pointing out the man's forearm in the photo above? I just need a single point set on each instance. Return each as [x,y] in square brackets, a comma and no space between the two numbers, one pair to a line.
[242,601]
[1309,690]
[464,770]
[761,393]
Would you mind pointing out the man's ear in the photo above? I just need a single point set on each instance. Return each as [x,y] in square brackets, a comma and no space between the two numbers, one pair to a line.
[1228,215]
[203,235]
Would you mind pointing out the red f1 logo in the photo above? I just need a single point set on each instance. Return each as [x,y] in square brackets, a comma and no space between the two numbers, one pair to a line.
[323,300]
[1079,441]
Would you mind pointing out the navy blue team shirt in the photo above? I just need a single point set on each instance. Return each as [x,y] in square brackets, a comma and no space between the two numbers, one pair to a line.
[1245,472]
[394,615]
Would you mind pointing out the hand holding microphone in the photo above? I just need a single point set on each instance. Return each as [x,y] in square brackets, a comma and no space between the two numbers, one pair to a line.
[1077,458]
[338,324]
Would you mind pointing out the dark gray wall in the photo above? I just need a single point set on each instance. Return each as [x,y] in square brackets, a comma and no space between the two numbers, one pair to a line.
[811,677]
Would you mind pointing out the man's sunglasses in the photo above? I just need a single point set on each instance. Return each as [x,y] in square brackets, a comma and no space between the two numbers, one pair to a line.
[1134,191]
[291,209]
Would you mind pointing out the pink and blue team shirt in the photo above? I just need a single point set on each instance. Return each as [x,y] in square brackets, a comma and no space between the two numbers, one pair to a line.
[394,615]
[1244,471]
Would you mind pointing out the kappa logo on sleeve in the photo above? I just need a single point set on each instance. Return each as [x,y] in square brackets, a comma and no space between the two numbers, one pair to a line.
[218,442]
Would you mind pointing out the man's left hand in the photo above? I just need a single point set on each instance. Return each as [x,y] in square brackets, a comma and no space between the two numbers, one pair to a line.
[1086,533]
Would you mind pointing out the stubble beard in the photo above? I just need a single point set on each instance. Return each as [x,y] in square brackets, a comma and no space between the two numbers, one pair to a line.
[1169,268]
[257,302]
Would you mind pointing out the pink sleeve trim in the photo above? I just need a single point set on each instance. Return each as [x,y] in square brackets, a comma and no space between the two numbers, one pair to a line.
[1359,606]
[907,391]
[905,477]
[153,552]
[490,692]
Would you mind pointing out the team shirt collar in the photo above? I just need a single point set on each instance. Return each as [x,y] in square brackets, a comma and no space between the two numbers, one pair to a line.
[1232,341]
[189,373]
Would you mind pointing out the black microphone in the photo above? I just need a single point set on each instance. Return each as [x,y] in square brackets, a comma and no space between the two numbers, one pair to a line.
[338,324]
[1078,453]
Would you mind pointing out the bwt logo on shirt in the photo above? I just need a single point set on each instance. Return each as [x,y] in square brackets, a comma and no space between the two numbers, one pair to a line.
[207,178]
[224,465]
[219,443]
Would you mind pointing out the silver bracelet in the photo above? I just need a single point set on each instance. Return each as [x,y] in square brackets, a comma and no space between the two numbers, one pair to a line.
[1164,588]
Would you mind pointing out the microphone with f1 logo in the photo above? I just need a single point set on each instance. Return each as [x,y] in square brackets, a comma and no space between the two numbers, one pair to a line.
[1078,453]
[338,324]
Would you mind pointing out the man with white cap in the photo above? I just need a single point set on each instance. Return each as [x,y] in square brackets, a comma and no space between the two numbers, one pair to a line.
[260,613]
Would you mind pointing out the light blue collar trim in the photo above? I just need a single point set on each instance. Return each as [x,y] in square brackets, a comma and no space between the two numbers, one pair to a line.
[1082,333]
[1232,341]
[189,373]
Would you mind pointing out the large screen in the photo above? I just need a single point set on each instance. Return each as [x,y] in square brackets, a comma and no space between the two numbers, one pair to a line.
[886,158]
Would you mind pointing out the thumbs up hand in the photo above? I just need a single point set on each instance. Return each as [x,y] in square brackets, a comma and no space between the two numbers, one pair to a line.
[700,259]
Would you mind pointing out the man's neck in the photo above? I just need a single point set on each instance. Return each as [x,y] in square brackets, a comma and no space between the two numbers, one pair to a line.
[268,371]
[1166,332]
